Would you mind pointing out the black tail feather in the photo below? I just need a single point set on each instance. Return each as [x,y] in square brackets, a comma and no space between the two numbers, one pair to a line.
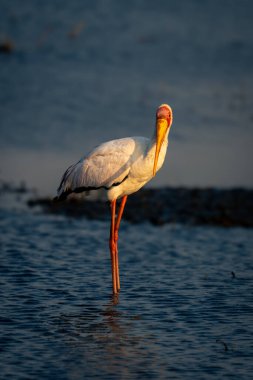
[62,197]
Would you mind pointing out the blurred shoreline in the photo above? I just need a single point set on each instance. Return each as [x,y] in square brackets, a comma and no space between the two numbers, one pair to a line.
[158,206]
[191,206]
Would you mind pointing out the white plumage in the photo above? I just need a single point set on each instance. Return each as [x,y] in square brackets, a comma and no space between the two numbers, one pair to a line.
[120,167]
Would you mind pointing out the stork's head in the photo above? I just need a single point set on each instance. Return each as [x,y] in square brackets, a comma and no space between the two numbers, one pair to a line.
[164,119]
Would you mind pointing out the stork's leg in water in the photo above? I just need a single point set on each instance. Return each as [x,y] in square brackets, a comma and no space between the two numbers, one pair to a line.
[113,247]
[116,236]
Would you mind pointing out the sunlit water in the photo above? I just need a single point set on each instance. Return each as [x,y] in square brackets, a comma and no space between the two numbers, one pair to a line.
[181,313]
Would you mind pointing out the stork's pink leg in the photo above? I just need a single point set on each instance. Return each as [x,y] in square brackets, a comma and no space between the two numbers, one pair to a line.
[116,236]
[113,247]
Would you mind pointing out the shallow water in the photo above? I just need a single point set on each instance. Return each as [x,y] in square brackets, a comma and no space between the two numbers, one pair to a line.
[181,312]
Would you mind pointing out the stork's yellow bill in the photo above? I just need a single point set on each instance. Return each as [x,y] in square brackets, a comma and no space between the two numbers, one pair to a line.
[163,123]
[161,129]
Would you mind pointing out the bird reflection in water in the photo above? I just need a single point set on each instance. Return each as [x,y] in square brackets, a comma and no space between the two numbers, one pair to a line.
[118,324]
[104,325]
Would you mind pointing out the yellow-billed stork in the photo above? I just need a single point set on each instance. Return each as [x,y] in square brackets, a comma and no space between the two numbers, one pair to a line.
[120,167]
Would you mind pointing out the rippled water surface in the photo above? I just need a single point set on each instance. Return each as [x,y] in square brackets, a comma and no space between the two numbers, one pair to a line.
[181,312]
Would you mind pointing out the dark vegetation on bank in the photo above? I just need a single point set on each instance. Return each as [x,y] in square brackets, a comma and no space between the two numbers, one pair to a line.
[194,206]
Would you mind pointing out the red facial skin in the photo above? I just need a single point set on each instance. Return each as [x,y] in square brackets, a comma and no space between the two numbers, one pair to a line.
[164,113]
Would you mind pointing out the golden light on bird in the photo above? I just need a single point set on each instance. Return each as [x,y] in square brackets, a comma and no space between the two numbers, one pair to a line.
[163,123]
[119,167]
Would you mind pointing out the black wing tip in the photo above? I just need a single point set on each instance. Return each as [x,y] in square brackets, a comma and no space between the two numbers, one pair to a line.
[60,198]
[64,195]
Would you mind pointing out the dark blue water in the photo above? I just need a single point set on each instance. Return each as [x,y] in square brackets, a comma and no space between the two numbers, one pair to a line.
[181,313]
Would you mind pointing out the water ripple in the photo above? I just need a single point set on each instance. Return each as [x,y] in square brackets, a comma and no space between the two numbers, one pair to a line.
[181,312]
